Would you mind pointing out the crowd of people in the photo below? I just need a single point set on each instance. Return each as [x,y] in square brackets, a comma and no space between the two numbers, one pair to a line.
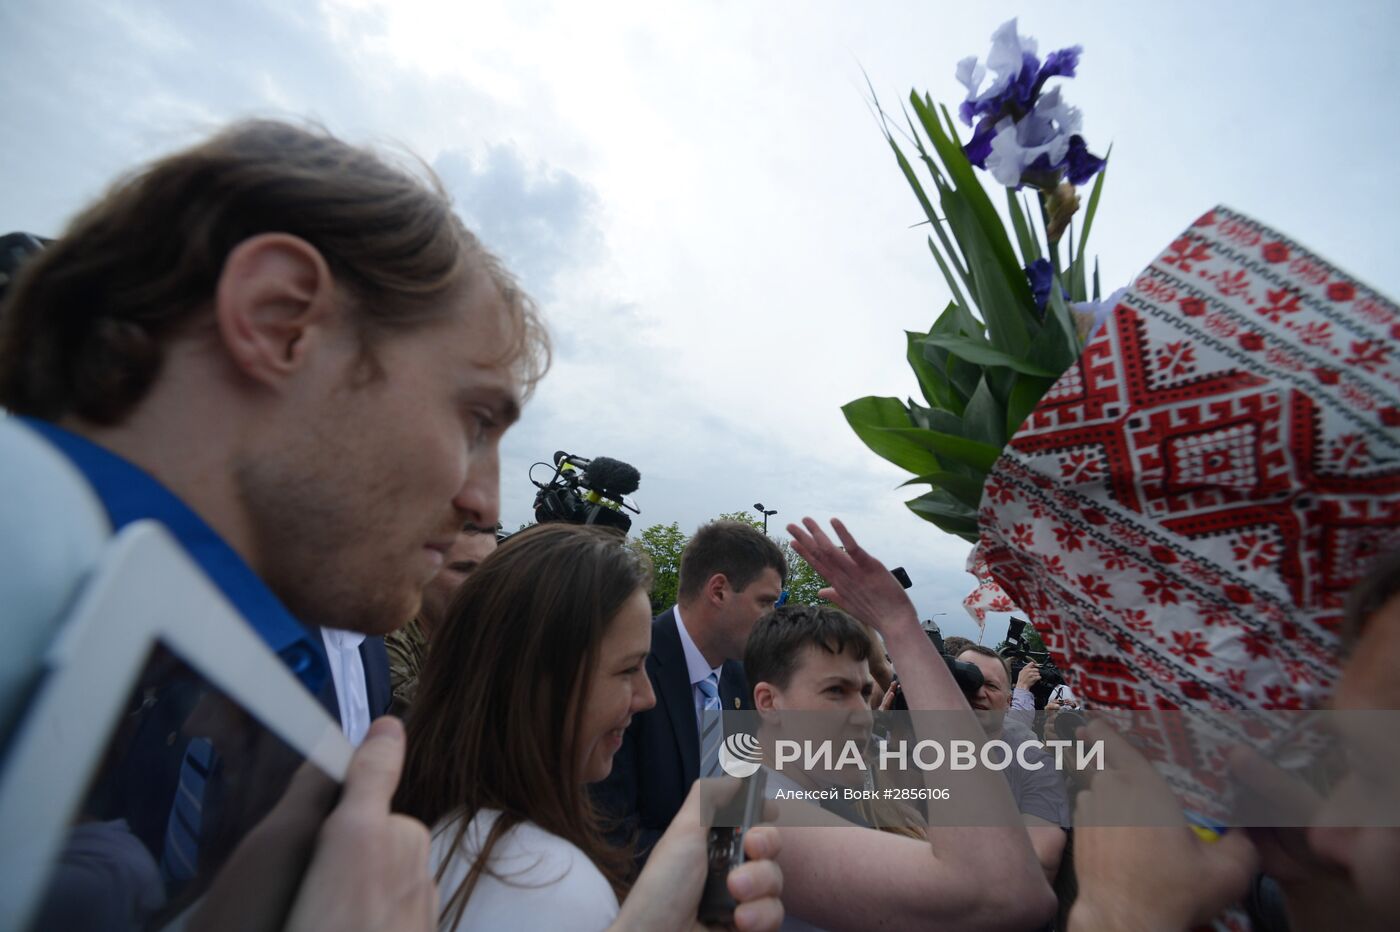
[293,354]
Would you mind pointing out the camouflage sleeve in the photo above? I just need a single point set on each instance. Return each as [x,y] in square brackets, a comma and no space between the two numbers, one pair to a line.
[405,648]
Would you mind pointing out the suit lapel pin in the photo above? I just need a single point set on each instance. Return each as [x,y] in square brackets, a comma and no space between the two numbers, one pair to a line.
[736,702]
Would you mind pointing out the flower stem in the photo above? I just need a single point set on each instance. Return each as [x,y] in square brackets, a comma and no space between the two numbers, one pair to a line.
[1051,245]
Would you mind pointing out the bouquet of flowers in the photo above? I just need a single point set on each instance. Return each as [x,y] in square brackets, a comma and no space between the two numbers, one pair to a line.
[1018,316]
[1181,503]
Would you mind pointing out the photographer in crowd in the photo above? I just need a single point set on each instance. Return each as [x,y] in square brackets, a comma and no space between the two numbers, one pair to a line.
[1039,791]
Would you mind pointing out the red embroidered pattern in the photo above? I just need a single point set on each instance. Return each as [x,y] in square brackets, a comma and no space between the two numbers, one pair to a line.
[1183,513]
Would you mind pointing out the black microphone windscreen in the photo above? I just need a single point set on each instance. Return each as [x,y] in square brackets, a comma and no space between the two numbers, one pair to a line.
[612,476]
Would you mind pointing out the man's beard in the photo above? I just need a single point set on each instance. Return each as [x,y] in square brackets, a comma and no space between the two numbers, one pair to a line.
[303,534]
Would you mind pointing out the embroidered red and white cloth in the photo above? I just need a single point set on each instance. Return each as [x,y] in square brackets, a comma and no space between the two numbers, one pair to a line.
[1185,510]
[988,596]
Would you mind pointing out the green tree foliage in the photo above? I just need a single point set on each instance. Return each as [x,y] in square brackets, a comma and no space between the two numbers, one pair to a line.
[803,583]
[1031,637]
[663,544]
[743,517]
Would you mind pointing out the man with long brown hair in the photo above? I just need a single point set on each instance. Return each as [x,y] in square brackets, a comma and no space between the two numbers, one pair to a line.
[292,354]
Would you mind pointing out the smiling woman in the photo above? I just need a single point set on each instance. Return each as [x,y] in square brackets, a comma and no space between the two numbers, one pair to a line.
[539,660]
[529,685]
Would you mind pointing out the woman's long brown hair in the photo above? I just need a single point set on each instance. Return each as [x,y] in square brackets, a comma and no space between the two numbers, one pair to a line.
[500,697]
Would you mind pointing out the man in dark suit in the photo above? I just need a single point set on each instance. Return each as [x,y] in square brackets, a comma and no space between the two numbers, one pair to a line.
[359,688]
[730,575]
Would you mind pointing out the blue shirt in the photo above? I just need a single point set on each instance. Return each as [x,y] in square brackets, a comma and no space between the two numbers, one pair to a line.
[129,493]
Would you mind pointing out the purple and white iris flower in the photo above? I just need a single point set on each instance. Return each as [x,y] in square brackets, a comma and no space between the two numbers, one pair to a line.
[1041,275]
[1098,311]
[1024,136]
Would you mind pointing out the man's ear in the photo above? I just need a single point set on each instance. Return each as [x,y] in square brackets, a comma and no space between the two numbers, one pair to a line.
[717,589]
[765,697]
[274,296]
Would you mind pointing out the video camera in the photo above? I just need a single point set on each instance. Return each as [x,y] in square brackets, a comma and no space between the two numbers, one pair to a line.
[967,675]
[584,491]
[1018,653]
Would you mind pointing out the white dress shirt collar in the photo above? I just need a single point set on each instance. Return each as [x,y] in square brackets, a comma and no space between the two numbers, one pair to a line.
[348,674]
[695,661]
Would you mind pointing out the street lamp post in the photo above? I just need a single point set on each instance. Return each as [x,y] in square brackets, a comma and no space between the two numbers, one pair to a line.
[758,506]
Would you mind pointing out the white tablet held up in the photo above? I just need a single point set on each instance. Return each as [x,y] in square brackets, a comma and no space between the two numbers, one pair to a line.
[169,771]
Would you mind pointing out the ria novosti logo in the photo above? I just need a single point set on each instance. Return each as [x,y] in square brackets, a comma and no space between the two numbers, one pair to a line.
[740,755]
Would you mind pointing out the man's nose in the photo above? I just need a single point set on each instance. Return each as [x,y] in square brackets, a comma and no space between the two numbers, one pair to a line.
[478,499]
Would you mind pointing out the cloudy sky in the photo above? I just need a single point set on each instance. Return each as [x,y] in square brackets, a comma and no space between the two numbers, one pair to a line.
[699,197]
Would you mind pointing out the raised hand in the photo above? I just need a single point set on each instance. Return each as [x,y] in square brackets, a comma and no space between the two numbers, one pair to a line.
[859,583]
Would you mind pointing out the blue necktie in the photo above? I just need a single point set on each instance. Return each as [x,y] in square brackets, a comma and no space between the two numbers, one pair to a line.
[180,859]
[711,725]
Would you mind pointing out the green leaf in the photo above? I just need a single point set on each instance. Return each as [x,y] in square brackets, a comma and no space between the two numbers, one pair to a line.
[957,319]
[999,381]
[979,351]
[1058,346]
[1093,206]
[934,419]
[934,384]
[1098,295]
[1068,240]
[984,419]
[1057,351]
[974,453]
[1078,291]
[947,273]
[1035,234]
[947,513]
[963,374]
[939,501]
[1004,298]
[883,424]
[1030,249]
[1064,349]
[914,182]
[930,213]
[969,187]
[966,489]
[958,393]
[1025,395]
